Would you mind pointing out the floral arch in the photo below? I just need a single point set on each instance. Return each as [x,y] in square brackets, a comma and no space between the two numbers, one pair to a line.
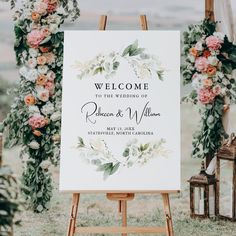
[34,119]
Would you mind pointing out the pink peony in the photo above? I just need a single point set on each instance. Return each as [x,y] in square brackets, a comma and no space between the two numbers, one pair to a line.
[201,64]
[213,42]
[34,38]
[50,87]
[37,121]
[206,95]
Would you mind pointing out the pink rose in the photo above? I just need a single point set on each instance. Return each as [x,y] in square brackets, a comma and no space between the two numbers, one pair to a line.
[37,121]
[201,64]
[213,42]
[43,94]
[216,90]
[50,87]
[34,38]
[40,7]
[206,95]
[51,75]
[52,5]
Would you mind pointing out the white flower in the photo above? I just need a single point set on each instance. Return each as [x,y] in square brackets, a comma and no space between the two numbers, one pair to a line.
[197,80]
[33,52]
[23,71]
[191,58]
[32,63]
[45,164]
[225,81]
[199,46]
[98,145]
[53,28]
[213,60]
[48,108]
[42,93]
[42,69]
[32,75]
[55,116]
[220,74]
[33,109]
[219,35]
[40,7]
[34,145]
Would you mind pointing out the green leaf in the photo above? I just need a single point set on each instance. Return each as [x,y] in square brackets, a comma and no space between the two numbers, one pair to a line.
[126,152]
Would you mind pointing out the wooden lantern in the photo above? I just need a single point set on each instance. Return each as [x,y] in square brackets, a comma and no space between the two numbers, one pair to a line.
[226,186]
[202,195]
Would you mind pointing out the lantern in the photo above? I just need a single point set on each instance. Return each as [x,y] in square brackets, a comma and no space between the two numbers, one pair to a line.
[202,195]
[226,186]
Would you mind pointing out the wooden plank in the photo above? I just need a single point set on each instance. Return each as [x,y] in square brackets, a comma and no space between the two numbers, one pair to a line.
[209,9]
[103,22]
[117,230]
[144,24]
[73,216]
[169,224]
[120,196]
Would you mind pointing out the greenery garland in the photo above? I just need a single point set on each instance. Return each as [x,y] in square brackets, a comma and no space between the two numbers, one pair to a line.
[209,62]
[34,119]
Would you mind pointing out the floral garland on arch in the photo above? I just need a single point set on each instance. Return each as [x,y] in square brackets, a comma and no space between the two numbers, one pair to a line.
[34,119]
[209,62]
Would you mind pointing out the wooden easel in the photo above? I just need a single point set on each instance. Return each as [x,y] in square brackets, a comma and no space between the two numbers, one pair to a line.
[122,198]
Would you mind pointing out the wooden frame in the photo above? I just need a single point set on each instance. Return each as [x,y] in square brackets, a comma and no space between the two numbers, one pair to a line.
[233,160]
[122,197]
[205,188]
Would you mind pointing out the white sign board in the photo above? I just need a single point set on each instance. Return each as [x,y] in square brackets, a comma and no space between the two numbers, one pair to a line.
[120,111]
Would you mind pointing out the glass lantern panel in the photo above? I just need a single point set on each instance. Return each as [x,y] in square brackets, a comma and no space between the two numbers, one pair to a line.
[226,190]
[211,200]
[199,200]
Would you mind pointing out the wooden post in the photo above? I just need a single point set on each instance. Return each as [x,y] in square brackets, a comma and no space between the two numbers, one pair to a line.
[209,14]
[209,9]
[144,24]
[169,224]
[103,22]
[73,216]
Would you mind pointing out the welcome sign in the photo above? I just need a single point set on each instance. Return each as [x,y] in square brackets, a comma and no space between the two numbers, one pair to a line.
[120,111]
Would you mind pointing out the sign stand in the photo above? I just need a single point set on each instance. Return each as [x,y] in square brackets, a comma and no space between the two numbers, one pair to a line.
[122,198]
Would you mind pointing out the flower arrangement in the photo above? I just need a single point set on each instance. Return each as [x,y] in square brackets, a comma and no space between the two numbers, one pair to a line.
[34,120]
[209,59]
[143,64]
[98,154]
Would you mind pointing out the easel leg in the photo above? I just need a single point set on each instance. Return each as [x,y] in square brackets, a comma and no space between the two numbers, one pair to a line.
[169,224]
[74,211]
[124,214]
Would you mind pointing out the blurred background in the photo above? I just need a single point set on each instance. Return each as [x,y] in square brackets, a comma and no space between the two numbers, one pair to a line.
[122,14]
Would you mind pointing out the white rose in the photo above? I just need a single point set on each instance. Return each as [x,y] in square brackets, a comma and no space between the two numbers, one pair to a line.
[23,71]
[199,46]
[53,28]
[32,75]
[213,60]
[55,116]
[43,69]
[34,145]
[33,109]
[48,108]
[45,164]
[98,144]
[33,52]
[32,63]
